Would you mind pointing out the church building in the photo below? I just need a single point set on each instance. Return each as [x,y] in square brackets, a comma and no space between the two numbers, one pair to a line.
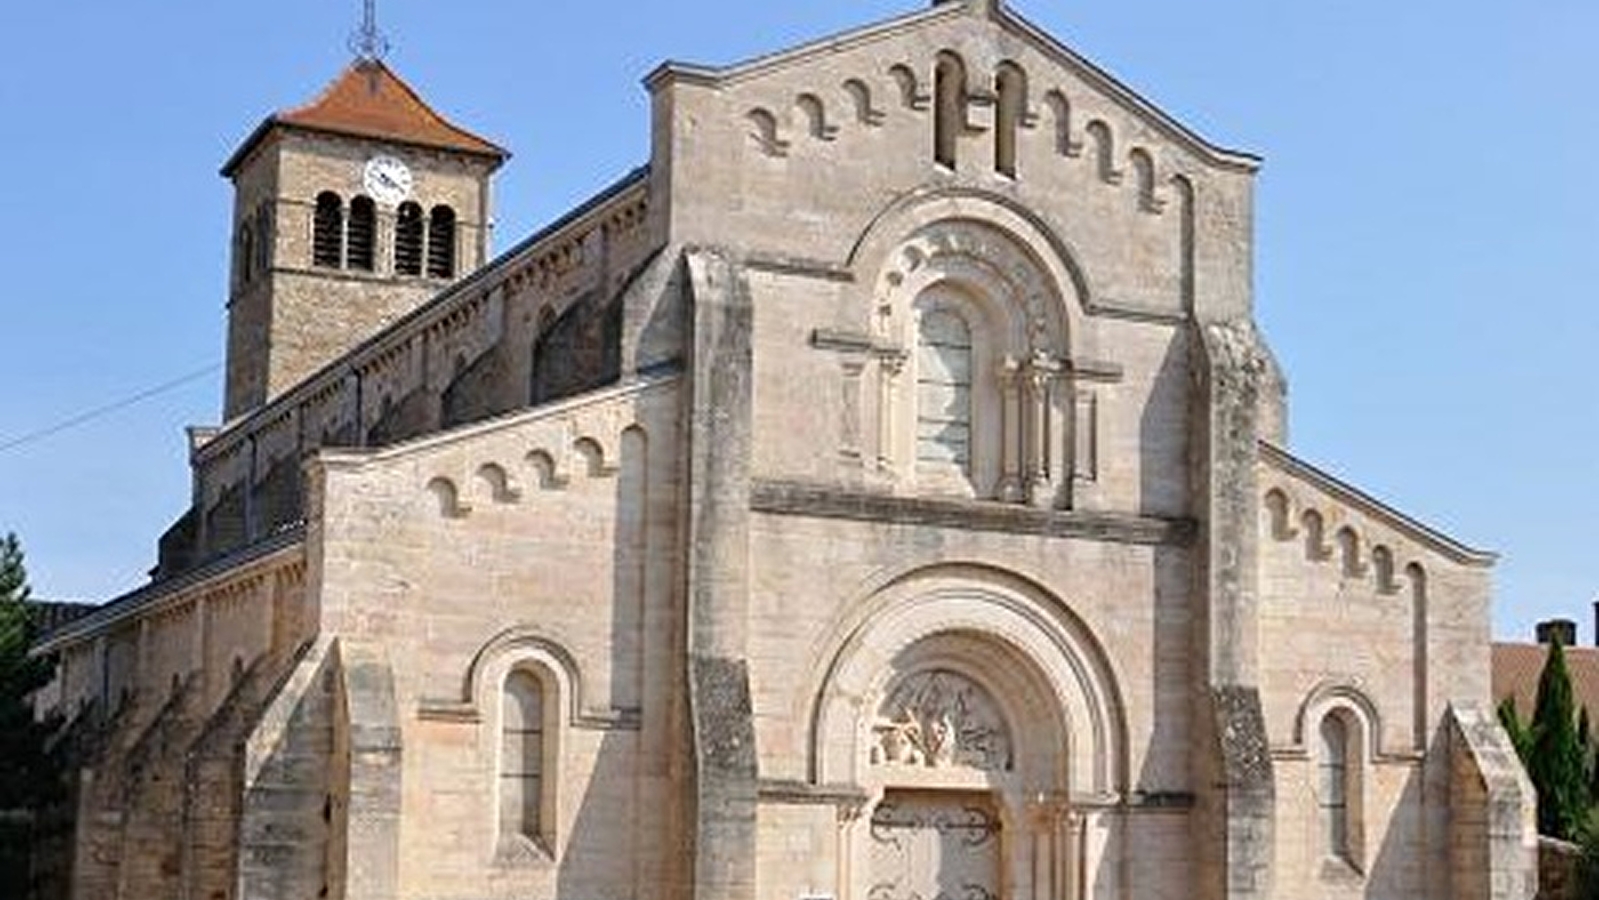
[881,494]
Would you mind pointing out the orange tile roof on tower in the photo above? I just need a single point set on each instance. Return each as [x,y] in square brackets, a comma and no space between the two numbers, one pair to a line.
[368,100]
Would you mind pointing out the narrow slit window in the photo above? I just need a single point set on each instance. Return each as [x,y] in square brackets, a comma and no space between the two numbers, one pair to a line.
[327,239]
[263,237]
[522,756]
[441,242]
[361,233]
[246,254]
[944,391]
[408,240]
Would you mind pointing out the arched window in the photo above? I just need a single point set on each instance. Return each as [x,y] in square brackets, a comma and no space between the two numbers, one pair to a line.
[327,238]
[943,391]
[408,240]
[1382,562]
[441,242]
[1011,86]
[1349,553]
[363,226]
[1334,784]
[522,717]
[949,110]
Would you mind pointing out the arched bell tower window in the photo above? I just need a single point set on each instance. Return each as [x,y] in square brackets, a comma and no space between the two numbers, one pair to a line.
[361,233]
[1010,83]
[441,242]
[408,240]
[523,744]
[949,110]
[327,239]
[943,393]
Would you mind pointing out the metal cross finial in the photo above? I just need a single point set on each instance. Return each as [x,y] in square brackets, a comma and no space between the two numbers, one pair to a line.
[368,43]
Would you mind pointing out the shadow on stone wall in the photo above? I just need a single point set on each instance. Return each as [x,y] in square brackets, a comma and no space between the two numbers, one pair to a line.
[1401,860]
[612,825]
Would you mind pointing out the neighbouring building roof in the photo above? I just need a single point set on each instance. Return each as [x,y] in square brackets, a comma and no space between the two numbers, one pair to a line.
[368,100]
[1516,668]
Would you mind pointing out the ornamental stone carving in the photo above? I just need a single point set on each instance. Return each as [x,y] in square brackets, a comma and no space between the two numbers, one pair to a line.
[942,720]
[987,249]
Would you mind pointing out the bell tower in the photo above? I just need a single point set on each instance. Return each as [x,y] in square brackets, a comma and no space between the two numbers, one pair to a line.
[348,213]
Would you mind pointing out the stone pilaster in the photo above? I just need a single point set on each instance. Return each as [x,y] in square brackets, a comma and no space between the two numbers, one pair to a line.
[720,705]
[1233,775]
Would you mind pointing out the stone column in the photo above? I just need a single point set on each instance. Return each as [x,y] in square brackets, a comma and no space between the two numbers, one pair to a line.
[1074,852]
[1010,488]
[1038,465]
[1044,816]
[889,366]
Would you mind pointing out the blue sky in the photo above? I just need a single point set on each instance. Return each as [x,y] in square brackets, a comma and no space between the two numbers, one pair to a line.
[1425,225]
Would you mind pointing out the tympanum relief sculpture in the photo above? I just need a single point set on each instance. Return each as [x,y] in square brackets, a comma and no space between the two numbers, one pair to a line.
[941,719]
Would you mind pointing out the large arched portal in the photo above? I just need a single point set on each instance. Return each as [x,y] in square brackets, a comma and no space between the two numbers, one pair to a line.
[981,720]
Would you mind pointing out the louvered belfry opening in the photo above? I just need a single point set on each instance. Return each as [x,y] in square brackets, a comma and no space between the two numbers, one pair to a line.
[361,232]
[441,242]
[327,239]
[408,240]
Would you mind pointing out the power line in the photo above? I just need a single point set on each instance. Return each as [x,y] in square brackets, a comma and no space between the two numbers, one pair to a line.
[109,408]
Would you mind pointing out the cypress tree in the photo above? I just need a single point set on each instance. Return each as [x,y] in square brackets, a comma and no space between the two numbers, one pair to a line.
[1518,731]
[1556,764]
[29,778]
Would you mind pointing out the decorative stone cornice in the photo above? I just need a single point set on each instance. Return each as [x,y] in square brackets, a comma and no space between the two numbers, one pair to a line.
[828,502]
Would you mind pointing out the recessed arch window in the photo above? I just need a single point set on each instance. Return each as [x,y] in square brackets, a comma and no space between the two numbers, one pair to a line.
[441,242]
[408,240]
[1339,758]
[525,743]
[943,391]
[361,233]
[327,237]
[1333,768]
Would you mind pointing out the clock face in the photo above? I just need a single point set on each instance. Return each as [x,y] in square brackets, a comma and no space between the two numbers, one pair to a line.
[387,179]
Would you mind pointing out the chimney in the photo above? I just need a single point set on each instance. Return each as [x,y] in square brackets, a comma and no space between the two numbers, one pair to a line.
[1596,623]
[1562,630]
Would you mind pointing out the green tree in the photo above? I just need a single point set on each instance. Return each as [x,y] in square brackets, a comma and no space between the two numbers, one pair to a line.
[1556,763]
[1520,733]
[29,778]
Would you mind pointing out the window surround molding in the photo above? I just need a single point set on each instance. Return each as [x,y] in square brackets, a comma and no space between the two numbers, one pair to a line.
[1022,398]
[1346,700]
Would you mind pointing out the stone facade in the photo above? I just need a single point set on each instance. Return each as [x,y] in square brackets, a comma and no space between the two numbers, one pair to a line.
[882,494]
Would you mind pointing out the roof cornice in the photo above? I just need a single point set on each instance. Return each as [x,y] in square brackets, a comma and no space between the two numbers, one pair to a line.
[1285,462]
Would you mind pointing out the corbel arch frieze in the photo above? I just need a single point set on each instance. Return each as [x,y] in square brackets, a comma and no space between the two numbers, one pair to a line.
[933,616]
